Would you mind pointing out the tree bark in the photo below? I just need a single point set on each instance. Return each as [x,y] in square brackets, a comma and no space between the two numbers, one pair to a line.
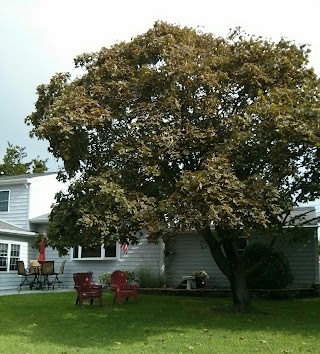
[238,282]
[230,262]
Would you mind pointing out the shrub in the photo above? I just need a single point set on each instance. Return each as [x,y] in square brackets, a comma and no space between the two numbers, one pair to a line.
[149,279]
[130,275]
[105,278]
[272,273]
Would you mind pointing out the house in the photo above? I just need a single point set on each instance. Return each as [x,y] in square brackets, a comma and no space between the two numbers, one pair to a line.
[22,198]
[188,253]
[25,203]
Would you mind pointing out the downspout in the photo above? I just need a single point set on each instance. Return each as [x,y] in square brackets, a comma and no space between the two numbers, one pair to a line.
[162,265]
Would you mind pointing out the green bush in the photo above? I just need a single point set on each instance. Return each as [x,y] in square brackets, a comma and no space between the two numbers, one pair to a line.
[105,278]
[146,278]
[130,275]
[272,273]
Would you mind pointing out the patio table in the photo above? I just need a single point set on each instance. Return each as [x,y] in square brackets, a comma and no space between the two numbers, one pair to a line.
[37,281]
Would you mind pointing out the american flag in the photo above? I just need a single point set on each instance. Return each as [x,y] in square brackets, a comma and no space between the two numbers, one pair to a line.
[125,246]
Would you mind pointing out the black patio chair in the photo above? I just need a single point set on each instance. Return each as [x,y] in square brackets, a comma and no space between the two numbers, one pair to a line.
[47,268]
[56,280]
[22,271]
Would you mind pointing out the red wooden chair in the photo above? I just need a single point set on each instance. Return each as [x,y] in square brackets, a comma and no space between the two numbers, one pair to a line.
[86,289]
[121,288]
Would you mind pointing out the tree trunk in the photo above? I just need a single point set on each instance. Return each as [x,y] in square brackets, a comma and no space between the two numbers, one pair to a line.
[240,293]
[230,262]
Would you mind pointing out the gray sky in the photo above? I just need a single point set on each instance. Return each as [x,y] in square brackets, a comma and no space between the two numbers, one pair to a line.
[41,37]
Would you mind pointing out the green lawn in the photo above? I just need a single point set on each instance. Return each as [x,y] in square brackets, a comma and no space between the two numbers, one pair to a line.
[51,323]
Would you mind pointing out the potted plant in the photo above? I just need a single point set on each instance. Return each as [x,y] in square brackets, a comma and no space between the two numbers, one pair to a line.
[200,277]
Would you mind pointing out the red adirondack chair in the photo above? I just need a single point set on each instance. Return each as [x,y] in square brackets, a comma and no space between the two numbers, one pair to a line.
[121,288]
[86,289]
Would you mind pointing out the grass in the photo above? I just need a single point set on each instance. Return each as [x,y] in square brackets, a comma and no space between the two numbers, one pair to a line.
[51,323]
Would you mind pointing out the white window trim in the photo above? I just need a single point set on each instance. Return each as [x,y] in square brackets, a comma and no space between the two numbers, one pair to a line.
[102,258]
[6,190]
[10,243]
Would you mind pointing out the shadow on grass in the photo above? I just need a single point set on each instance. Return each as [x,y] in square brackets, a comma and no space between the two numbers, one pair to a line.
[53,318]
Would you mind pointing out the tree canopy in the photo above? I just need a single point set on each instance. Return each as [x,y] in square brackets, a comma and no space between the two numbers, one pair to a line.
[13,162]
[178,130]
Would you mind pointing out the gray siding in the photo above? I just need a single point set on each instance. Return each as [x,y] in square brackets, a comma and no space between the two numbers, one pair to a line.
[143,255]
[302,255]
[303,258]
[185,254]
[188,253]
[18,206]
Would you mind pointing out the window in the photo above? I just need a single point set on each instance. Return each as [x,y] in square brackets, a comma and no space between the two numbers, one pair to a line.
[9,254]
[4,201]
[97,252]
[242,243]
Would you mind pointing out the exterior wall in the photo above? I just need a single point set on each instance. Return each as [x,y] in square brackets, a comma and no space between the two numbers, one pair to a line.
[9,280]
[42,193]
[143,255]
[301,251]
[303,258]
[29,199]
[18,206]
[185,254]
[188,253]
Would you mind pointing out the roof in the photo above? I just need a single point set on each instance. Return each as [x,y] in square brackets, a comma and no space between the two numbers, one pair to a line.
[7,228]
[27,175]
[41,219]
[304,216]
[22,179]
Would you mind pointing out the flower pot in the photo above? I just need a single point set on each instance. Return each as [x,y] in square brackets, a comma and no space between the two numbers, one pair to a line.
[200,284]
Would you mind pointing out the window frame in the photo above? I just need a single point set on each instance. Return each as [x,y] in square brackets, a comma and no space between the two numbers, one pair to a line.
[3,201]
[9,255]
[102,254]
[242,239]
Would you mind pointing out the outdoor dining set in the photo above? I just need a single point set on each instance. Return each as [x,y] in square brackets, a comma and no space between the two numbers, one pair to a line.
[38,274]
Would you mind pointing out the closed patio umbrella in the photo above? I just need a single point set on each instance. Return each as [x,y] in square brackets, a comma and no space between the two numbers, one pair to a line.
[42,249]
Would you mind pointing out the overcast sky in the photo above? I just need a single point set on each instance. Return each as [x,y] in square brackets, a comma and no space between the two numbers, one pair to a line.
[41,37]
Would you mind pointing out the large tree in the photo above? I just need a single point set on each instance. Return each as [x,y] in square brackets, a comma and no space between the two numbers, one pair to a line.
[14,162]
[179,130]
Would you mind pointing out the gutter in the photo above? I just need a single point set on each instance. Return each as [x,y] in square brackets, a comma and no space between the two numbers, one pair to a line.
[20,181]
[16,232]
